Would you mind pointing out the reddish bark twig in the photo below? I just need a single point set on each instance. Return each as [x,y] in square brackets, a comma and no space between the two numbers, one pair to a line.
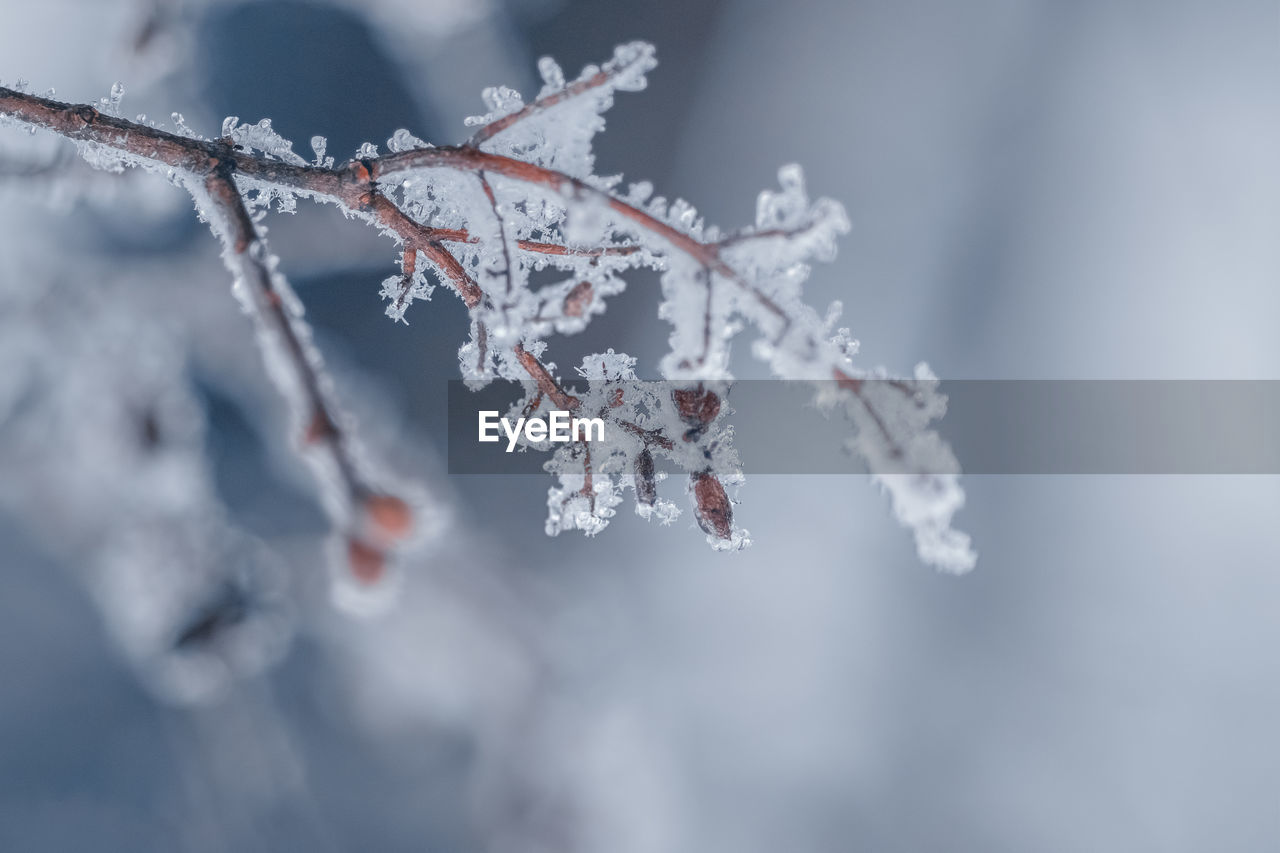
[573,90]
[546,382]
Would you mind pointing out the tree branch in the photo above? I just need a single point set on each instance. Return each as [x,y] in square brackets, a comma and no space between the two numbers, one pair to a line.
[573,90]
[353,185]
[546,382]
[372,522]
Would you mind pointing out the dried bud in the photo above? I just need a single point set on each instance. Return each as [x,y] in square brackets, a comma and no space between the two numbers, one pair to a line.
[697,406]
[846,382]
[388,518]
[321,428]
[368,563]
[615,399]
[646,482]
[713,510]
[578,300]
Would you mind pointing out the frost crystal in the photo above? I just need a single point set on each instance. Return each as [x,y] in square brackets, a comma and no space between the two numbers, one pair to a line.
[111,103]
[501,102]
[552,76]
[180,125]
[403,140]
[318,146]
[262,138]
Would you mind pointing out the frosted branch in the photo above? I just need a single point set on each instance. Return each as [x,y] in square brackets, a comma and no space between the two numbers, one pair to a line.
[521,196]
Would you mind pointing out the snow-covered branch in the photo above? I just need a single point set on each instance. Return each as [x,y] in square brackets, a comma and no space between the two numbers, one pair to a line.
[521,196]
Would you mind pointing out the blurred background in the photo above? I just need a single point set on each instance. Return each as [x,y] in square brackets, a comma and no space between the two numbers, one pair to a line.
[1074,190]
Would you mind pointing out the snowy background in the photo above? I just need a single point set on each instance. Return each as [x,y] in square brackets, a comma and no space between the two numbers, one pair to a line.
[1038,190]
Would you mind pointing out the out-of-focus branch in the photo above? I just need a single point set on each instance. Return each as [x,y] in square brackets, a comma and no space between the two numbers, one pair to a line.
[34,170]
[370,521]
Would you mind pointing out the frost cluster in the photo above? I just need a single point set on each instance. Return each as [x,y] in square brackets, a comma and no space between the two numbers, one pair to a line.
[715,285]
[648,427]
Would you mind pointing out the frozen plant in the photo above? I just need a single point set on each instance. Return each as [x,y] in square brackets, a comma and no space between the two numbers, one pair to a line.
[522,196]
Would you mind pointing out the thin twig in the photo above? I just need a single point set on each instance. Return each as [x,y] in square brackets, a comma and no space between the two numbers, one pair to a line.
[855,386]
[573,90]
[371,521]
[502,232]
[648,436]
[321,432]
[546,382]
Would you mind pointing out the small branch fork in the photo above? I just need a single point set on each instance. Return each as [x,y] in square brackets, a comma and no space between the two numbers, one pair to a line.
[356,187]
